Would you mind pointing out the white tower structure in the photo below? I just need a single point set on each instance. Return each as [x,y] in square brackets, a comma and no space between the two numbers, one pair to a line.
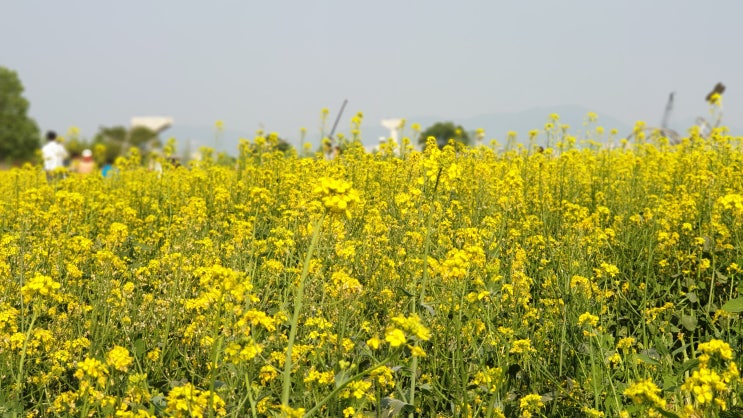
[394,126]
[156,124]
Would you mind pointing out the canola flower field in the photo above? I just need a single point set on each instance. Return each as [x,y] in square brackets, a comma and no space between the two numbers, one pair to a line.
[454,282]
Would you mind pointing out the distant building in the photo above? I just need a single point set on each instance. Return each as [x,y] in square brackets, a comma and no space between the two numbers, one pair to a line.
[156,124]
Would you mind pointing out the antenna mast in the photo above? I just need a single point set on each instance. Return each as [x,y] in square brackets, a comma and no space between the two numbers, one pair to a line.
[337,119]
[667,113]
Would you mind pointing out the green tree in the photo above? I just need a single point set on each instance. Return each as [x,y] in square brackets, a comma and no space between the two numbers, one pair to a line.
[111,134]
[19,134]
[142,138]
[443,132]
[118,140]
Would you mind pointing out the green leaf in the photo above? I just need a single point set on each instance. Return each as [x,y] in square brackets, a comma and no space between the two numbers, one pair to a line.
[646,359]
[689,322]
[426,388]
[404,292]
[394,407]
[667,414]
[340,378]
[693,298]
[734,412]
[670,382]
[139,348]
[158,401]
[688,365]
[709,244]
[429,308]
[734,305]
[680,350]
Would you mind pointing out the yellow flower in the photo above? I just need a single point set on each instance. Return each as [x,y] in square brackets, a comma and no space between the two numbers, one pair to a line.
[412,325]
[626,343]
[39,285]
[373,343]
[238,353]
[588,318]
[91,368]
[267,374]
[324,378]
[718,347]
[383,376]
[337,195]
[349,412]
[715,99]
[188,401]
[154,354]
[645,392]
[521,347]
[395,337]
[119,358]
[416,351]
[592,413]
[531,403]
[65,402]
[356,389]
[290,412]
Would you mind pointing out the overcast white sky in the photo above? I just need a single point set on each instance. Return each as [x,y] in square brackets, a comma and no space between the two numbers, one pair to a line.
[278,63]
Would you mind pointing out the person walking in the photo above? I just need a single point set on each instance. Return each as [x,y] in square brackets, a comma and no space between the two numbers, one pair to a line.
[54,154]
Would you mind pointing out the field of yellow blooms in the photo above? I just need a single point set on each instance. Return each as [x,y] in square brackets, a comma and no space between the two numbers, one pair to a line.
[451,282]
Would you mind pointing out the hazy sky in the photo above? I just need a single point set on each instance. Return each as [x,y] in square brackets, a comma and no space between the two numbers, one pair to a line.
[278,63]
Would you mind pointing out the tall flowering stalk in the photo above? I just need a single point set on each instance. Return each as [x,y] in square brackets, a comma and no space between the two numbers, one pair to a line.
[337,197]
[298,299]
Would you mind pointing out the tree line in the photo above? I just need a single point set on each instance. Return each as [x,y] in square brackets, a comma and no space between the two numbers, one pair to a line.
[20,136]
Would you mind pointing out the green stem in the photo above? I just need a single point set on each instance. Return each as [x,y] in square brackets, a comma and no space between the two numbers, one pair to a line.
[424,281]
[610,379]
[286,378]
[19,378]
[248,397]
[214,367]
[562,335]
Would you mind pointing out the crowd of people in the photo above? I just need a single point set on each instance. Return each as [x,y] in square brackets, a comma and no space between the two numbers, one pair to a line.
[56,157]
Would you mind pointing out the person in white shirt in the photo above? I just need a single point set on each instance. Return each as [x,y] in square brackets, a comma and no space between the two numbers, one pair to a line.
[54,154]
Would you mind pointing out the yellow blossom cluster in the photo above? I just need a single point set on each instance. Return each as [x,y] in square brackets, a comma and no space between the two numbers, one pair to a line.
[715,378]
[189,401]
[464,281]
[337,195]
[39,285]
